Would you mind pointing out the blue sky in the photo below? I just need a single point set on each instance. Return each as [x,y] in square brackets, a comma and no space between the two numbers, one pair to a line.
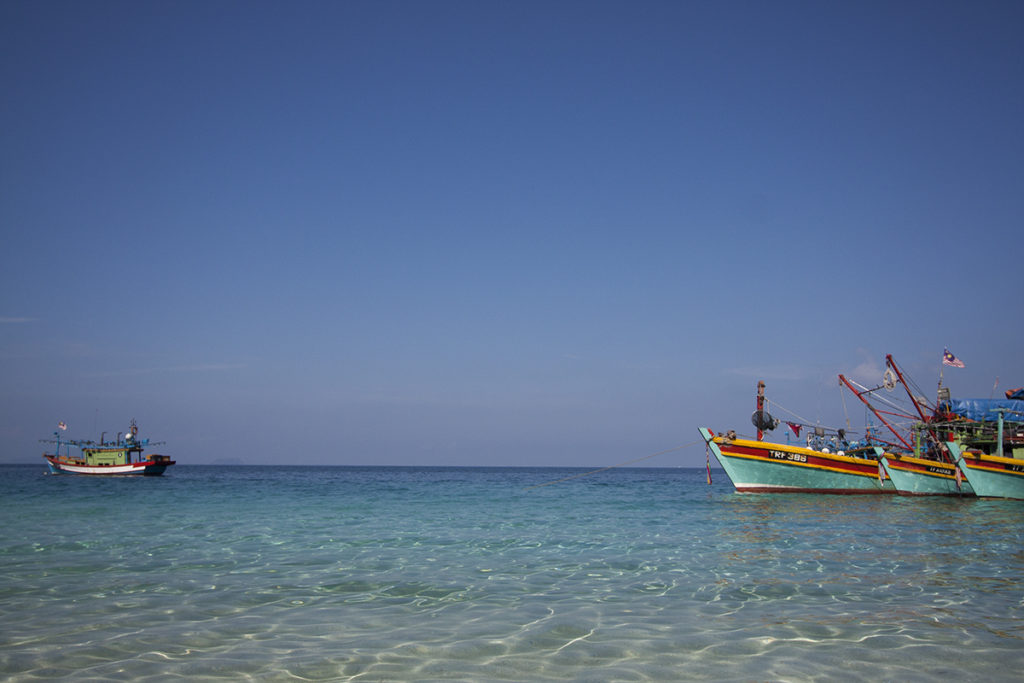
[493,233]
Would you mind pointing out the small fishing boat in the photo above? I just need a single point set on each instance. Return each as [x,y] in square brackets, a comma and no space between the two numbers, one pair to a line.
[991,476]
[990,453]
[829,463]
[121,456]
[916,476]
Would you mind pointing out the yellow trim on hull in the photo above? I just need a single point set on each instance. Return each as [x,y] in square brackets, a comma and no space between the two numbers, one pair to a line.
[978,463]
[893,461]
[797,450]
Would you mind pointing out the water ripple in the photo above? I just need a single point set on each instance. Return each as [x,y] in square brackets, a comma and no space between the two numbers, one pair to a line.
[434,574]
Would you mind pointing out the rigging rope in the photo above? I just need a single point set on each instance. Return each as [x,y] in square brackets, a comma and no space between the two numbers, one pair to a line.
[611,467]
[775,404]
[804,422]
[883,399]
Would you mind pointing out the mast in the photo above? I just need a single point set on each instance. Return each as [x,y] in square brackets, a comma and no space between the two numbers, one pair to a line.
[760,407]
[917,406]
[999,450]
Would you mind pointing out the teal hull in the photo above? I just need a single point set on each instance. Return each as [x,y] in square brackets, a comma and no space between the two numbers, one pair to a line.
[921,482]
[991,476]
[749,476]
[762,467]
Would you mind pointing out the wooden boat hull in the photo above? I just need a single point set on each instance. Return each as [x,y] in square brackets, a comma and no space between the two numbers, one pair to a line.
[991,476]
[919,477]
[148,468]
[763,467]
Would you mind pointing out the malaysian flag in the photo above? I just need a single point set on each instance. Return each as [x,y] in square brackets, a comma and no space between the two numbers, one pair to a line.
[951,360]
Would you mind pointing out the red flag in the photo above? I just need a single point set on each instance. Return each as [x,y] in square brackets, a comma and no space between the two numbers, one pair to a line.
[795,428]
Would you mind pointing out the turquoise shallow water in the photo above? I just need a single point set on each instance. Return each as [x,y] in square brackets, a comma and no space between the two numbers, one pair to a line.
[412,574]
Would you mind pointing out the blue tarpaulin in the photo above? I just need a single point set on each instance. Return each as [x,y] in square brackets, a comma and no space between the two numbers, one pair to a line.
[986,409]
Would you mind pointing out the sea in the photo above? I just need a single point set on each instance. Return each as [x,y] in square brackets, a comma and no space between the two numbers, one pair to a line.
[284,573]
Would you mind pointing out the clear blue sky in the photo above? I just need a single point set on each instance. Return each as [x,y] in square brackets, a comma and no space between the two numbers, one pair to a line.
[497,233]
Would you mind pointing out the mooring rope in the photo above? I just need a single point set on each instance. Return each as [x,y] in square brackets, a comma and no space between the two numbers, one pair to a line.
[611,467]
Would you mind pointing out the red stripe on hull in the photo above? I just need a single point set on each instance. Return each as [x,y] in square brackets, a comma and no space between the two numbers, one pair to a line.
[869,468]
[942,472]
[996,467]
